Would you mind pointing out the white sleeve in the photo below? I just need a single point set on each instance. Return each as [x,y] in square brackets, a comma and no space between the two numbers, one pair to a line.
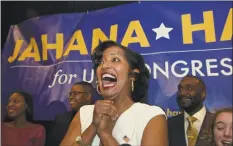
[147,114]
[86,116]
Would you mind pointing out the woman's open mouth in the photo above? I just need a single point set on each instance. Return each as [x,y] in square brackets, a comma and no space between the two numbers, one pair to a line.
[227,143]
[108,80]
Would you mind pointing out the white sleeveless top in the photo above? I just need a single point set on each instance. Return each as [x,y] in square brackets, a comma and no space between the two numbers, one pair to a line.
[130,124]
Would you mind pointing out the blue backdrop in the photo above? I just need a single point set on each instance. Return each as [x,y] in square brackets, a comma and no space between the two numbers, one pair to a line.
[46,55]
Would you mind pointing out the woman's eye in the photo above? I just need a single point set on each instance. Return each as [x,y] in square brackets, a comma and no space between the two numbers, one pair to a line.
[220,128]
[115,60]
[16,101]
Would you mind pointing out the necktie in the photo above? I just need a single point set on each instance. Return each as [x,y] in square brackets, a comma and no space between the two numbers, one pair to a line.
[191,131]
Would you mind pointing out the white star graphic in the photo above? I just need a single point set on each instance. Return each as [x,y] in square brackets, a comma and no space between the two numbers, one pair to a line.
[162,31]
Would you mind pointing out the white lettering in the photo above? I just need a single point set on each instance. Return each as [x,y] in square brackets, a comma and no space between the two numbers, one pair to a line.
[185,70]
[85,76]
[222,62]
[209,67]
[196,67]
[165,73]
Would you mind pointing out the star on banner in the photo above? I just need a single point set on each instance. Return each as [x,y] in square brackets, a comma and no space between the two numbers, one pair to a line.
[162,31]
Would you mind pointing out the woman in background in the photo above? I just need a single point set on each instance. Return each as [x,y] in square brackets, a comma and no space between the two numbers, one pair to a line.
[222,128]
[18,129]
[122,80]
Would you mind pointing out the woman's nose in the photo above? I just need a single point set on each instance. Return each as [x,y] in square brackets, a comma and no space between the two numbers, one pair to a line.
[228,132]
[10,104]
[106,65]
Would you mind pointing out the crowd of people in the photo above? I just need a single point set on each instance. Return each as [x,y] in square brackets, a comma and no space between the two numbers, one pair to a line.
[120,118]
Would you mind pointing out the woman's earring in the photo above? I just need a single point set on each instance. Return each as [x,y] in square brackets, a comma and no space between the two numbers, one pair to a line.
[97,87]
[132,85]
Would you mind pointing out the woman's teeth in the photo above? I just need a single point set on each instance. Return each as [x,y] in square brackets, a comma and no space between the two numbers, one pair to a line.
[108,84]
[227,143]
[108,75]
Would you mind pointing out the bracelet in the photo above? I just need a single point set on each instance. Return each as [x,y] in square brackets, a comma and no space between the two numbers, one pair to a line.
[79,141]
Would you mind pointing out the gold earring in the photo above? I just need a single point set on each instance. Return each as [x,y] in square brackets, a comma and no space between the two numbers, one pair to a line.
[132,85]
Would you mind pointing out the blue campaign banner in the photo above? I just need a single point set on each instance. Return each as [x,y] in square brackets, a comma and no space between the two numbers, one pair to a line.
[46,55]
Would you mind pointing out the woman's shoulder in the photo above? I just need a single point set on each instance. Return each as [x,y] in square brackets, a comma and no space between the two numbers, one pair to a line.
[147,106]
[30,126]
[39,127]
[145,113]
[150,109]
[5,125]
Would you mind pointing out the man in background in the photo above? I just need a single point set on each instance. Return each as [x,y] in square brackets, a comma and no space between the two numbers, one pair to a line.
[193,126]
[80,95]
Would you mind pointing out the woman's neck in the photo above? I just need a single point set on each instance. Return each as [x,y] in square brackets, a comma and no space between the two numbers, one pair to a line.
[19,122]
[122,104]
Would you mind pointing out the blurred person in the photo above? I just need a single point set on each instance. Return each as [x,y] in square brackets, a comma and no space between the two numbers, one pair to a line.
[79,95]
[222,127]
[192,126]
[18,128]
[3,112]
[122,80]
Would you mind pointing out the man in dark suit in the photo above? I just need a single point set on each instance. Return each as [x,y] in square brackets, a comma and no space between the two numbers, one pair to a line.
[80,94]
[193,126]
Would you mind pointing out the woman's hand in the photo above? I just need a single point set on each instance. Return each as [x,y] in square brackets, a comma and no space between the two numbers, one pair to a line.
[104,108]
[106,125]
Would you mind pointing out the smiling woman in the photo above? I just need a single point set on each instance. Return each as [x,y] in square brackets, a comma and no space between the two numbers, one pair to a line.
[18,128]
[122,80]
[222,127]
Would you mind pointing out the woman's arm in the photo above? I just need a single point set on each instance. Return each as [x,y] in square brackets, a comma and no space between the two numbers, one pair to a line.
[107,139]
[74,130]
[104,132]
[156,132]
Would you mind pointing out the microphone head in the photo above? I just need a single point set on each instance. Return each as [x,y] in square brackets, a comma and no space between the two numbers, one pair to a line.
[125,144]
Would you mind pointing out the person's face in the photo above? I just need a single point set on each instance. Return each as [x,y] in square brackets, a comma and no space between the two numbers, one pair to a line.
[223,129]
[77,97]
[113,73]
[190,93]
[16,106]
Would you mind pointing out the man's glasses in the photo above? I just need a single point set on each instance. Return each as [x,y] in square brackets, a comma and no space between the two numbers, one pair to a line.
[74,93]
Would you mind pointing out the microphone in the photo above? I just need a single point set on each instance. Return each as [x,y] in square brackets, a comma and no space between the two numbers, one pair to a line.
[125,144]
